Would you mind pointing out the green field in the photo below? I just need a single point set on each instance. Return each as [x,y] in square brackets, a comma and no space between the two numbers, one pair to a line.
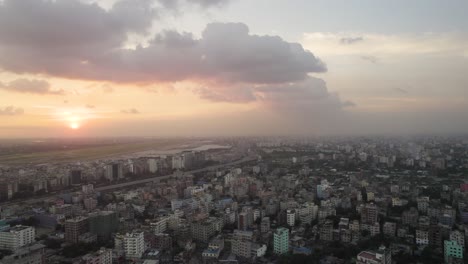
[89,153]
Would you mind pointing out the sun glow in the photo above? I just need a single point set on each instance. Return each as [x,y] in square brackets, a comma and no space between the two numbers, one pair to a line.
[74,126]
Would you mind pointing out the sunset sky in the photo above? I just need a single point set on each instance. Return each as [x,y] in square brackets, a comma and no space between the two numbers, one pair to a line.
[232,67]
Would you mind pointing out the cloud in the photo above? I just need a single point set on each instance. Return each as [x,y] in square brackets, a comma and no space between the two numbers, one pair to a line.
[130,111]
[84,41]
[229,62]
[370,58]
[175,4]
[350,40]
[401,90]
[11,111]
[30,86]
[107,88]
[48,37]
[305,105]
[90,106]
[391,45]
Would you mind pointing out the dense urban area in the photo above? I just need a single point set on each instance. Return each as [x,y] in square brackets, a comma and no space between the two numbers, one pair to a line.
[364,200]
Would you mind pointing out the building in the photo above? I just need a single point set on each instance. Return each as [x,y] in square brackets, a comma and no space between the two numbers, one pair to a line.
[369,214]
[382,256]
[326,231]
[160,225]
[15,237]
[242,243]
[34,254]
[103,224]
[75,177]
[281,241]
[102,256]
[452,251]
[265,225]
[76,227]
[203,230]
[291,217]
[163,241]
[152,165]
[410,217]
[214,249]
[114,171]
[242,221]
[423,204]
[459,237]
[422,237]
[134,244]
[389,229]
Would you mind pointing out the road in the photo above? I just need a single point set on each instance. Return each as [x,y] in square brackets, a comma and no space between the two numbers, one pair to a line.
[136,182]
[148,180]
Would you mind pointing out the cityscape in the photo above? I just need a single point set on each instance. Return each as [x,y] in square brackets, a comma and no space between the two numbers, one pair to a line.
[244,200]
[233,132]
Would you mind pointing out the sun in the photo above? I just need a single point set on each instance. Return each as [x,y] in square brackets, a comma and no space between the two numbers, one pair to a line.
[74,126]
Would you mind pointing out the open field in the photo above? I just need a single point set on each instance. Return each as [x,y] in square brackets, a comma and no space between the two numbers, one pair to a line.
[92,153]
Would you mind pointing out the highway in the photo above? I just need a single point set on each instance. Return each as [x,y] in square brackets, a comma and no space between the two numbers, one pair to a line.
[134,183]
[148,180]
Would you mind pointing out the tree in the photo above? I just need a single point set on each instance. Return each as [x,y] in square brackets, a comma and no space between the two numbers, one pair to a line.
[52,243]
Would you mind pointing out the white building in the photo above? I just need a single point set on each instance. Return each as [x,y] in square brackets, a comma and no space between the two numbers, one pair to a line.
[16,237]
[103,256]
[160,226]
[134,244]
[152,165]
[291,217]
[459,237]
[422,237]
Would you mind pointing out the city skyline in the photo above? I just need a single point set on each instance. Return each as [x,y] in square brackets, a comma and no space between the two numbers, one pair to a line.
[232,67]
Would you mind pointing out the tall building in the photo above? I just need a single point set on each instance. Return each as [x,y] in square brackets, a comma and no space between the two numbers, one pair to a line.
[152,165]
[16,237]
[114,171]
[452,251]
[75,177]
[75,227]
[265,225]
[134,244]
[103,224]
[459,237]
[242,221]
[369,214]
[291,217]
[410,217]
[281,241]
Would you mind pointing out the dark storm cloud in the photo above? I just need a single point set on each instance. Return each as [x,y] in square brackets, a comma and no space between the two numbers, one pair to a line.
[30,86]
[351,40]
[11,111]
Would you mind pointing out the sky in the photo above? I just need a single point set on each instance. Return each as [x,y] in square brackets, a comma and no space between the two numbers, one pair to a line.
[97,68]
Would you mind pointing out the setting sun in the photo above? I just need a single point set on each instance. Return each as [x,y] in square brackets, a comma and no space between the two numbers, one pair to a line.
[74,125]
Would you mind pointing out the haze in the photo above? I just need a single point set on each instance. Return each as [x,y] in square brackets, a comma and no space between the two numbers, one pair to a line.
[71,68]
